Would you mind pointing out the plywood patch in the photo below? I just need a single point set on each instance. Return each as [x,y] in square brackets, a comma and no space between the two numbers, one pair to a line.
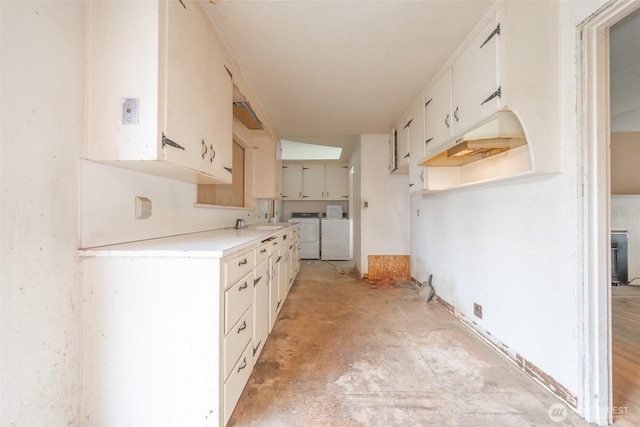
[387,269]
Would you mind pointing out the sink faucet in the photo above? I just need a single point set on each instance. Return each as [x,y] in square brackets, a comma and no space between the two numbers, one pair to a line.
[240,223]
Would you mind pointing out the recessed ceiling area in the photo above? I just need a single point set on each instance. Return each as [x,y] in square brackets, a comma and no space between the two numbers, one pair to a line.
[337,69]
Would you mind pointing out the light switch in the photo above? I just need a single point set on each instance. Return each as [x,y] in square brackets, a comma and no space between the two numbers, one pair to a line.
[130,111]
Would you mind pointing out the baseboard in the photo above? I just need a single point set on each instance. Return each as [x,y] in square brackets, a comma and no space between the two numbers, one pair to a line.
[544,379]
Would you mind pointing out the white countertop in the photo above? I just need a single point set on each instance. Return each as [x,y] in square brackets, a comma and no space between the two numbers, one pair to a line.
[203,244]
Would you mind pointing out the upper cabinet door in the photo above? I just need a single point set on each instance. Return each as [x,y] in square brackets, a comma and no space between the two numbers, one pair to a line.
[416,146]
[187,107]
[292,181]
[437,113]
[199,94]
[313,182]
[336,182]
[476,84]
[220,115]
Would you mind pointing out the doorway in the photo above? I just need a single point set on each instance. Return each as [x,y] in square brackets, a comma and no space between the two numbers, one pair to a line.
[594,127]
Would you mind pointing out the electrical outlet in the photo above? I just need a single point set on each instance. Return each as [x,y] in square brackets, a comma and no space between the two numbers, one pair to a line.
[130,111]
[477,310]
[143,207]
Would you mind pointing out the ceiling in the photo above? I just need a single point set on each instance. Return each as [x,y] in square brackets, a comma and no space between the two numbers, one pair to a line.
[331,70]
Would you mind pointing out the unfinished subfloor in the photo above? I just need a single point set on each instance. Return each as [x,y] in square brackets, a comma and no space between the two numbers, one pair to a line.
[344,352]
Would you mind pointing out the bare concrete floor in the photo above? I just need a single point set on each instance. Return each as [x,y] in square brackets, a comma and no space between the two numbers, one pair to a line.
[345,353]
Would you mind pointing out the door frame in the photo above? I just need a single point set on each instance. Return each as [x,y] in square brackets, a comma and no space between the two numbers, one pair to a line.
[594,131]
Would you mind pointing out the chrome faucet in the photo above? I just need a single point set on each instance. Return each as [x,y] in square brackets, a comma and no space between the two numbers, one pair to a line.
[240,223]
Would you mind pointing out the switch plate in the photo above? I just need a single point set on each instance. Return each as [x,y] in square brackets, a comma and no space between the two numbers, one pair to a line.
[143,208]
[130,111]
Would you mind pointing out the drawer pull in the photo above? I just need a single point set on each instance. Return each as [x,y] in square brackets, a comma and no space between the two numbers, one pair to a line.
[255,281]
[243,262]
[243,286]
[263,250]
[244,365]
[275,243]
[243,326]
[279,258]
[255,350]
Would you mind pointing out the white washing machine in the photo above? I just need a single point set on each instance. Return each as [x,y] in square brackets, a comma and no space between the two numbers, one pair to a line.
[309,237]
[336,239]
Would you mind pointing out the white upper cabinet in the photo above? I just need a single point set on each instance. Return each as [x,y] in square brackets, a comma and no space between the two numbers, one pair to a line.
[313,181]
[437,114]
[336,182]
[267,168]
[416,146]
[476,83]
[292,181]
[402,141]
[159,94]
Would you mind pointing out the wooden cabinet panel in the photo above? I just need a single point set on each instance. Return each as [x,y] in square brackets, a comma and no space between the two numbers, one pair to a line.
[336,182]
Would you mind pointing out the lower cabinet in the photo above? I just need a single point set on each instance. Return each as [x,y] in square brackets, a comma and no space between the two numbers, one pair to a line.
[172,339]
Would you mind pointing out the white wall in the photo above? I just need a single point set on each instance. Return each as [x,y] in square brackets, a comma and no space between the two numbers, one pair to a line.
[54,203]
[108,207]
[625,215]
[42,116]
[384,225]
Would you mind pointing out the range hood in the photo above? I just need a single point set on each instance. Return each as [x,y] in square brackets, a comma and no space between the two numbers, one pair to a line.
[243,111]
[495,135]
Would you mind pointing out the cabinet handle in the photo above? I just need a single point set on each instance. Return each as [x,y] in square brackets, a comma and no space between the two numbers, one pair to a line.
[243,326]
[228,169]
[263,250]
[407,155]
[205,149]
[495,32]
[422,176]
[279,258]
[213,154]
[170,143]
[244,365]
[429,140]
[446,121]
[274,243]
[426,104]
[243,286]
[255,281]
[277,306]
[243,262]
[455,114]
[497,93]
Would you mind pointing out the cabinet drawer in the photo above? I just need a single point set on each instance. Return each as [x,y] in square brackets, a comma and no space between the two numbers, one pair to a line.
[262,253]
[237,299]
[238,267]
[236,340]
[275,244]
[237,379]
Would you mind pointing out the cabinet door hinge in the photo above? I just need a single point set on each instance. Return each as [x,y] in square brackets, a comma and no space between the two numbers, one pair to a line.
[426,104]
[407,155]
[428,140]
[408,124]
[494,33]
[228,72]
[228,169]
[182,3]
[497,93]
[170,143]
